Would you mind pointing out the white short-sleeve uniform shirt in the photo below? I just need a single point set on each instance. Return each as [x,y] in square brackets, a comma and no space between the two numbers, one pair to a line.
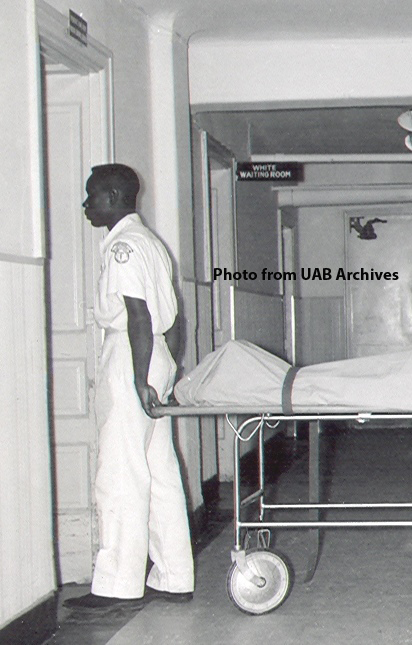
[136,264]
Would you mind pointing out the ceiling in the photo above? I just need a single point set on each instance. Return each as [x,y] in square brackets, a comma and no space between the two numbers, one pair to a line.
[282,19]
[346,130]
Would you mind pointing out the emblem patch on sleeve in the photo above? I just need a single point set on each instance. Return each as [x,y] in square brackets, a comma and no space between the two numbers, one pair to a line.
[121,252]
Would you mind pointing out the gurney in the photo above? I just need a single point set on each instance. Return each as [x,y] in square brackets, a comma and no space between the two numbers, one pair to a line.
[225,384]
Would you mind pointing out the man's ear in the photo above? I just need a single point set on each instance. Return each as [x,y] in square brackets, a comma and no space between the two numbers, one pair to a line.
[113,196]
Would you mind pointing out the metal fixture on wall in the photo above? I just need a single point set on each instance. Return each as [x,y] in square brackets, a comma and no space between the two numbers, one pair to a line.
[405,121]
[365,231]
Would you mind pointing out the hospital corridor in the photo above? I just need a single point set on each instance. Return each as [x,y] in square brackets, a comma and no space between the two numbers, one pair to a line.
[237,173]
[361,592]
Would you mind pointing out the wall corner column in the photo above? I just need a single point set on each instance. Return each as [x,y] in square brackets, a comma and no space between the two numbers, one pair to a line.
[173,211]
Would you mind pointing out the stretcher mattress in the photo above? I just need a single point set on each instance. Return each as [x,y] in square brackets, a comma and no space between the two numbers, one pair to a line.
[241,373]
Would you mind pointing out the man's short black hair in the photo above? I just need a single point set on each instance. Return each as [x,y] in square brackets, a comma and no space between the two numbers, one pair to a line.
[120,176]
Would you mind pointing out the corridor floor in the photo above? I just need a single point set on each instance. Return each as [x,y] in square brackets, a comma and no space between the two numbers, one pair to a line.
[361,593]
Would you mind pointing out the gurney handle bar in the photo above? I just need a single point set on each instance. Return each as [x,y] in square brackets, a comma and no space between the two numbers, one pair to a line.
[270,415]
[341,506]
[342,524]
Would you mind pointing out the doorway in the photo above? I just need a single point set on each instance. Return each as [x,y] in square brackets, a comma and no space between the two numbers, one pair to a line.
[215,248]
[223,257]
[78,133]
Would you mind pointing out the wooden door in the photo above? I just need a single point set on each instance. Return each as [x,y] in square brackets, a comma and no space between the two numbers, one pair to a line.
[74,337]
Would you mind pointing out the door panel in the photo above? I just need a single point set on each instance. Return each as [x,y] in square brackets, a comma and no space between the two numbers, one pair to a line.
[380,311]
[74,336]
[65,172]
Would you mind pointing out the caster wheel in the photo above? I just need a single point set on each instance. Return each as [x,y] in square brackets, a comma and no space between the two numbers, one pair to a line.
[251,598]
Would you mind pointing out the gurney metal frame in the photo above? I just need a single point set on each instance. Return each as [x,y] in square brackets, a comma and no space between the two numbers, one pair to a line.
[259,580]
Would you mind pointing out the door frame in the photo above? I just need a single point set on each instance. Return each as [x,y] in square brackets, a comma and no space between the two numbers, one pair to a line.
[289,312]
[213,157]
[59,53]
[213,152]
[219,172]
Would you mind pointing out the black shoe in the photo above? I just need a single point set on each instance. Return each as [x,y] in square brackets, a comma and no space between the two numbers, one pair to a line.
[92,601]
[169,596]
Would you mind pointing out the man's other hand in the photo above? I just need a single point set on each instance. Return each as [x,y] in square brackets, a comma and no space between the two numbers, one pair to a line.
[149,399]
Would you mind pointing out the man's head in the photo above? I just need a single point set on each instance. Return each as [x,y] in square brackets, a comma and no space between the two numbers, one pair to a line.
[111,194]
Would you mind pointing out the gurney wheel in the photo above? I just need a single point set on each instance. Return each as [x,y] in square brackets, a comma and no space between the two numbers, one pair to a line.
[249,597]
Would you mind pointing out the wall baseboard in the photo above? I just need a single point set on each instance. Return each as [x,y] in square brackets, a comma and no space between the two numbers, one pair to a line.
[210,491]
[33,627]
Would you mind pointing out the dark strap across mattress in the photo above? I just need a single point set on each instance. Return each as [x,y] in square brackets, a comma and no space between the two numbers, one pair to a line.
[287,390]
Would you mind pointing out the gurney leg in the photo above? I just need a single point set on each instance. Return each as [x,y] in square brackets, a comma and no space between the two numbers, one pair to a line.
[261,454]
[314,534]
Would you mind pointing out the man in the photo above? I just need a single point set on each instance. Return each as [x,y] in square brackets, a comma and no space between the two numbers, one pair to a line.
[139,493]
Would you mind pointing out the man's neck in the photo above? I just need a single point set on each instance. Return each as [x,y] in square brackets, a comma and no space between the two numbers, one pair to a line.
[117,217]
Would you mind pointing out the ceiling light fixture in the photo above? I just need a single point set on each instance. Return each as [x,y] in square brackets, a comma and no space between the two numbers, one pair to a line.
[405,121]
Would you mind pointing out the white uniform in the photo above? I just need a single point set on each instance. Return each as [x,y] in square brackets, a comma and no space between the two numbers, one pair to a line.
[139,492]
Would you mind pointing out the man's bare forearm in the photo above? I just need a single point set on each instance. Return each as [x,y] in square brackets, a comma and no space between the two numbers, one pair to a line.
[139,329]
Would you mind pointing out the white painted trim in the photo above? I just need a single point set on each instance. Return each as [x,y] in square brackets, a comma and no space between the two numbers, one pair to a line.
[343,195]
[21,259]
[338,158]
[280,246]
[207,249]
[56,43]
[108,123]
[300,104]
[232,312]
[101,103]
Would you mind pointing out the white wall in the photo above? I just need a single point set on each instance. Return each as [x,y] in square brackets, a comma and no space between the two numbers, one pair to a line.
[321,228]
[173,206]
[19,136]
[224,73]
[321,244]
[26,557]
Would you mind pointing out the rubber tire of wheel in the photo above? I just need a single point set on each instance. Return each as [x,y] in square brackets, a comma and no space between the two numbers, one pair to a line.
[250,598]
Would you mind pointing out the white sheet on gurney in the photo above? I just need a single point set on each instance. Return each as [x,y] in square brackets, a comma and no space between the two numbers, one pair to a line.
[240,373]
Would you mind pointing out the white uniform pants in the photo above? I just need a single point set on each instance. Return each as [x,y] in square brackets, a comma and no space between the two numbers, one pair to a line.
[139,492]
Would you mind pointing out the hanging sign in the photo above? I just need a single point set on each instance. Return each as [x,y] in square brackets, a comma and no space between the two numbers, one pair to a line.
[269,171]
[77,27]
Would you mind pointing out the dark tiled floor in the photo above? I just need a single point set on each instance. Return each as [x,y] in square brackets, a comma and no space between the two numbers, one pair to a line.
[361,593]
